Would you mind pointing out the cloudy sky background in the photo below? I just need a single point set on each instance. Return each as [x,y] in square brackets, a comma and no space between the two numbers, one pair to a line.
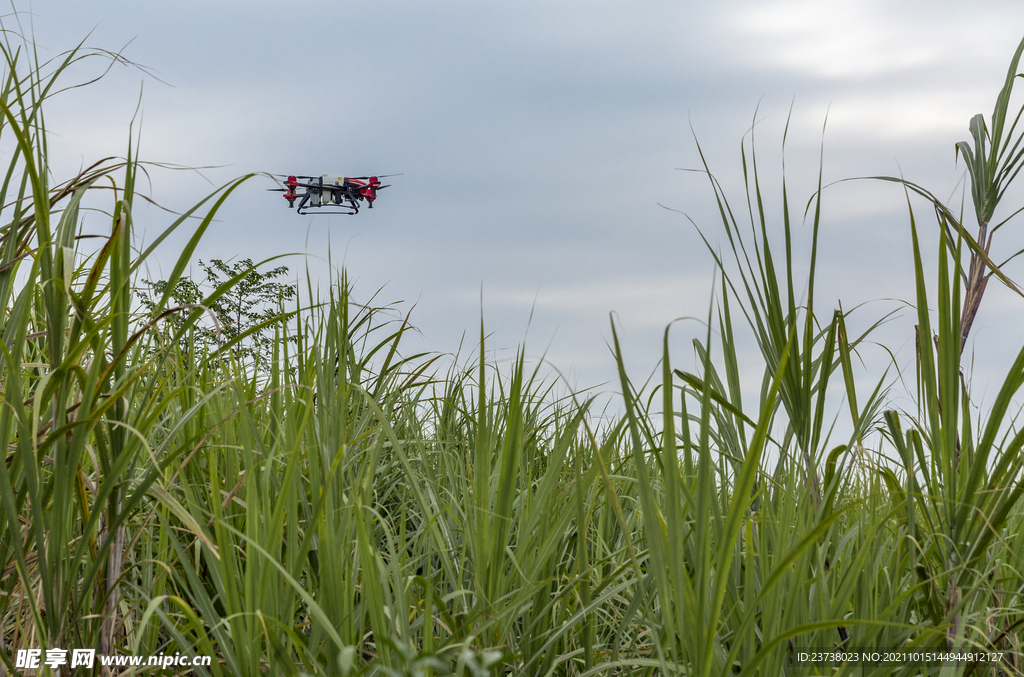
[538,141]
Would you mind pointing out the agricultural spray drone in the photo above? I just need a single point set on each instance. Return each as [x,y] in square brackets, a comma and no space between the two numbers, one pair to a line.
[344,194]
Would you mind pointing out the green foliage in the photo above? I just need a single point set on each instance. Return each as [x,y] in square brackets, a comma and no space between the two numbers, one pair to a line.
[250,307]
[993,162]
[342,508]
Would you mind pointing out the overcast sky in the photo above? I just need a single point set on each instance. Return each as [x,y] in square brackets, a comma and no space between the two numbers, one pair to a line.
[537,141]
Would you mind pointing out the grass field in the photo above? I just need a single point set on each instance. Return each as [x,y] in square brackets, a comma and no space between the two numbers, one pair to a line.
[355,510]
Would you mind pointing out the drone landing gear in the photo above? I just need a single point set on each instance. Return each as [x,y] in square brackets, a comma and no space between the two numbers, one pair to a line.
[352,211]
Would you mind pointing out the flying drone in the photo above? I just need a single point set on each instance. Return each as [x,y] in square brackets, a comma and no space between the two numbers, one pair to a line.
[343,194]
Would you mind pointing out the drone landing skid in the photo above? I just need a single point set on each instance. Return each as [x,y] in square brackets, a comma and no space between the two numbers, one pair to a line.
[351,212]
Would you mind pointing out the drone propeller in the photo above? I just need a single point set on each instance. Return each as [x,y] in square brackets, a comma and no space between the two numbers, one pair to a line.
[298,185]
[303,185]
[297,176]
[379,176]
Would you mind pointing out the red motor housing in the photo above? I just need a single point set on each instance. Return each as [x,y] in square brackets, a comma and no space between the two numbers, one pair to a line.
[290,195]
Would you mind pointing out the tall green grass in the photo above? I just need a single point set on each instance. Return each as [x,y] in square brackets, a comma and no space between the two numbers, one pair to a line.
[355,510]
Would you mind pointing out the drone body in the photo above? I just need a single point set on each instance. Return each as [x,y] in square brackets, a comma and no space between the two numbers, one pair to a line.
[343,194]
